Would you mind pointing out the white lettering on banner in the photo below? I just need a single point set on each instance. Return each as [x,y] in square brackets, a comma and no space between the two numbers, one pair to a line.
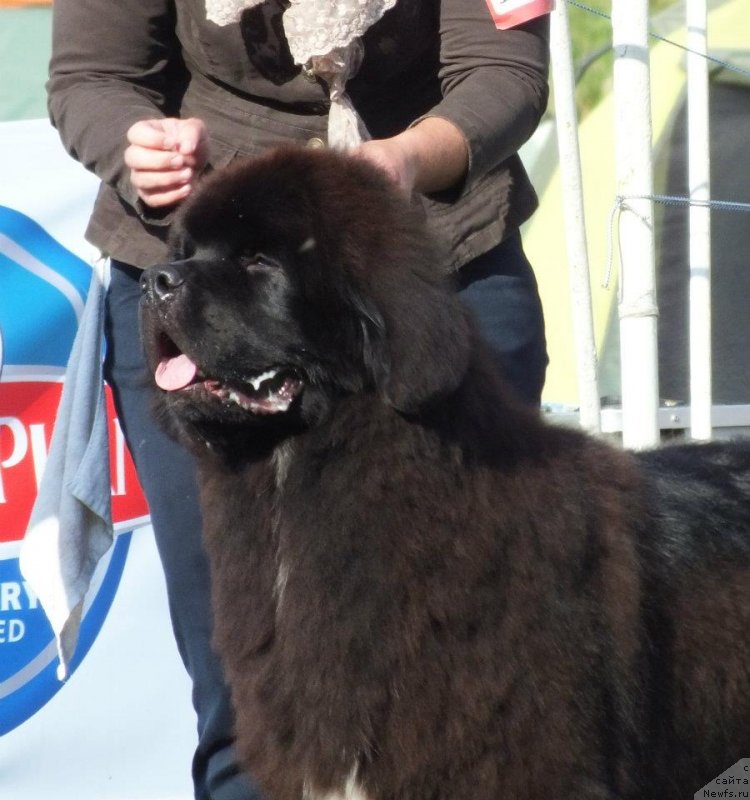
[10,596]
[18,450]
[17,596]
[32,441]
[38,450]
[119,489]
[31,596]
[11,631]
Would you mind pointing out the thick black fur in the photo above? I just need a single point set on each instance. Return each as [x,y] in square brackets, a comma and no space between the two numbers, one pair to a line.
[423,591]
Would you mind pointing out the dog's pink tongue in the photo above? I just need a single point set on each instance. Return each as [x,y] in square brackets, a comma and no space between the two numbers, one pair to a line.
[175,373]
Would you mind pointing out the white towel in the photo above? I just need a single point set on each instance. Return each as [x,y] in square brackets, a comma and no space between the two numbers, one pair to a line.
[71,523]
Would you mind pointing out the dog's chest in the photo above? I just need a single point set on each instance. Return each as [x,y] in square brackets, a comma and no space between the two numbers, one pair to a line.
[330,631]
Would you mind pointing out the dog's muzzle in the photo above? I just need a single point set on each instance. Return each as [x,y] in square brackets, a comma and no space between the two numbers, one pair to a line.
[160,283]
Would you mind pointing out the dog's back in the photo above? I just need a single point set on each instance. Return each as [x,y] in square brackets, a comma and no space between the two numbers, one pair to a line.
[695,555]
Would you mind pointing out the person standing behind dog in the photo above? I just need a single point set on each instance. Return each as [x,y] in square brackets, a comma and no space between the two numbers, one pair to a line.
[149,94]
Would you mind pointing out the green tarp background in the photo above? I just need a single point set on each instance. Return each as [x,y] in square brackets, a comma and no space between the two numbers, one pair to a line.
[25,35]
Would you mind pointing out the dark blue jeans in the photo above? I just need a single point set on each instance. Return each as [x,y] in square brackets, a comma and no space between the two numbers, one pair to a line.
[500,288]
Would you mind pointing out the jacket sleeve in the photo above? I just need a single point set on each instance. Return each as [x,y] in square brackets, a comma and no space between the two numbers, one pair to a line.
[112,64]
[495,83]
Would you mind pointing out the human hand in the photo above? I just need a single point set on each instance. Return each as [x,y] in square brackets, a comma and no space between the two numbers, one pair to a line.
[393,158]
[164,156]
[430,156]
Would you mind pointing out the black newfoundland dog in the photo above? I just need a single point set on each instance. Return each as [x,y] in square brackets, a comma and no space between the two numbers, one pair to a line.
[423,591]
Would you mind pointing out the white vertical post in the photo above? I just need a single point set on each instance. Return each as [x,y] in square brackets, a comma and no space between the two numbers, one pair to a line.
[699,165]
[634,179]
[575,223]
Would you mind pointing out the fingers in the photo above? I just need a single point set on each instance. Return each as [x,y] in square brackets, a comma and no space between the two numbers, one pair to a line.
[164,156]
[192,138]
[161,178]
[162,187]
[186,136]
[164,196]
[139,157]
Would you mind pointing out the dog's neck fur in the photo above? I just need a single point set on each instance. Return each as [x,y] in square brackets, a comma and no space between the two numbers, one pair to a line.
[281,459]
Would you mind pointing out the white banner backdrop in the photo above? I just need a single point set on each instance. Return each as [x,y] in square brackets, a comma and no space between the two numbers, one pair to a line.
[122,727]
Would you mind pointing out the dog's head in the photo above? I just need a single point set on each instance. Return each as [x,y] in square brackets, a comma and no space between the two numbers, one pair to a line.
[298,277]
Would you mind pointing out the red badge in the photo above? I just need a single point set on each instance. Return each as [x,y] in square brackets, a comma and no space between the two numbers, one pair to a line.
[511,13]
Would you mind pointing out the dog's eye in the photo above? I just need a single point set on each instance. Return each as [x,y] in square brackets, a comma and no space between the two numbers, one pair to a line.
[260,261]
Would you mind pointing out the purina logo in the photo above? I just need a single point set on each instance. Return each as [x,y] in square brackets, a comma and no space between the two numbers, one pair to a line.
[42,291]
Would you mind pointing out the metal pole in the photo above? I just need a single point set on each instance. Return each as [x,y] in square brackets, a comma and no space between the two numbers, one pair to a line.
[634,179]
[575,223]
[699,166]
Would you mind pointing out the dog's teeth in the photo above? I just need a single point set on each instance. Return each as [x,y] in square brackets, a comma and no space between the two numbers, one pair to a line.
[256,382]
[234,397]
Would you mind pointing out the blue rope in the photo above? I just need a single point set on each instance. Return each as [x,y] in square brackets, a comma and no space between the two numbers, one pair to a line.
[671,200]
[716,61]
[621,204]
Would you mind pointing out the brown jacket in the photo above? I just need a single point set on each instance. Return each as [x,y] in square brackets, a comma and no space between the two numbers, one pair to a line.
[116,63]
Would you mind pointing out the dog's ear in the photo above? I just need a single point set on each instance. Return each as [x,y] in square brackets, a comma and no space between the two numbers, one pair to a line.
[416,349]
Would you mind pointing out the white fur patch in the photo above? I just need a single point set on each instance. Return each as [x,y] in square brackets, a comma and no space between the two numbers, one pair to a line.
[282,575]
[350,791]
[282,459]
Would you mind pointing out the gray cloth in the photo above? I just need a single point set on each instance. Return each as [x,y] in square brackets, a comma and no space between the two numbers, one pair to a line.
[71,523]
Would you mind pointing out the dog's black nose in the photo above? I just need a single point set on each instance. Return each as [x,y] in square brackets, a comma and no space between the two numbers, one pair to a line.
[160,282]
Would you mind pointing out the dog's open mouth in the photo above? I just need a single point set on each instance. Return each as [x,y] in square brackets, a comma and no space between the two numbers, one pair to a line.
[270,392]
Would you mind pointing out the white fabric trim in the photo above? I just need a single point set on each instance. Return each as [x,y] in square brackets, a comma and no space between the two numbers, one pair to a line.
[324,36]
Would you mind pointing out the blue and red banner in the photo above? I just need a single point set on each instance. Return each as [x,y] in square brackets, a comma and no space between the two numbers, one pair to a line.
[43,286]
